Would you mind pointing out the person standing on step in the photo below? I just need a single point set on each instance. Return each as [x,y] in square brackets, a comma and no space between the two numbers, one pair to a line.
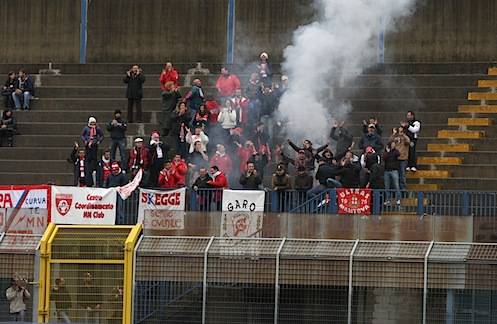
[195,97]
[92,136]
[402,143]
[157,151]
[82,172]
[392,165]
[117,128]
[412,127]
[134,79]
[226,84]
[104,169]
[24,89]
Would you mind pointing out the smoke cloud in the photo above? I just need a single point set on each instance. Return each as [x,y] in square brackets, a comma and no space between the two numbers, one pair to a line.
[329,53]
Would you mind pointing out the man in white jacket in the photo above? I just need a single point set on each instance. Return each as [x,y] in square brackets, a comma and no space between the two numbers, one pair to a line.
[16,294]
[412,127]
[198,135]
[227,117]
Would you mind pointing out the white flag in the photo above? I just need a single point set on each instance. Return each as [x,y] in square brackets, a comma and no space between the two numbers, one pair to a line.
[127,190]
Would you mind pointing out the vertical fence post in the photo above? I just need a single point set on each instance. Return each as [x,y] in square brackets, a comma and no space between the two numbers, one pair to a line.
[425,280]
[351,261]
[277,280]
[376,202]
[133,287]
[333,201]
[230,37]
[420,209]
[83,37]
[204,288]
[465,204]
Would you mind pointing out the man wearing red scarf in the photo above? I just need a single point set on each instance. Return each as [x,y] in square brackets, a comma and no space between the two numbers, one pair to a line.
[92,136]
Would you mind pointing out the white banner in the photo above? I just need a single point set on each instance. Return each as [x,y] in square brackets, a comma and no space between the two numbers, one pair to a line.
[84,206]
[23,198]
[243,212]
[162,210]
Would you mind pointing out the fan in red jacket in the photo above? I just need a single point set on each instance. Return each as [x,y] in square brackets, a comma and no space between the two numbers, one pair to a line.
[245,153]
[138,157]
[219,181]
[181,169]
[168,177]
[222,160]
[213,108]
[227,83]
[168,74]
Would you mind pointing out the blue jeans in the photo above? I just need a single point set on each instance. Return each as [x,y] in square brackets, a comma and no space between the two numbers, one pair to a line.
[402,174]
[330,184]
[392,182]
[26,98]
[121,144]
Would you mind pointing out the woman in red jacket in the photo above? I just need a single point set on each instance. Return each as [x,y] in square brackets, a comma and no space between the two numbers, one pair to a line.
[168,74]
[245,153]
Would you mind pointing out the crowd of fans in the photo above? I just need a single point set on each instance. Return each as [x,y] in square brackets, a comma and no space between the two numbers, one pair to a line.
[226,140]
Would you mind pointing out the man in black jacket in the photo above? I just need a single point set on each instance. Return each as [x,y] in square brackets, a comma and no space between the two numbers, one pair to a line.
[344,140]
[134,79]
[25,89]
[371,139]
[117,128]
[250,180]
[326,177]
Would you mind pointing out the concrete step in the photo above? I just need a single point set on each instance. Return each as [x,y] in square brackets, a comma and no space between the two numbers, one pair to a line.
[431,68]
[417,80]
[36,166]
[35,153]
[429,160]
[116,91]
[423,187]
[473,157]
[92,104]
[75,116]
[416,105]
[481,109]
[492,71]
[403,92]
[429,174]
[461,183]
[470,121]
[448,147]
[481,144]
[73,128]
[468,170]
[487,83]
[63,179]
[491,96]
[445,133]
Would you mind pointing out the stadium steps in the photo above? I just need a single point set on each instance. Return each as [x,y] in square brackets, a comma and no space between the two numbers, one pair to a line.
[433,91]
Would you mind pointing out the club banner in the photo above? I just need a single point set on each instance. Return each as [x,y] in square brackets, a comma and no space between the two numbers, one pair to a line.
[162,210]
[83,206]
[354,201]
[243,212]
[24,209]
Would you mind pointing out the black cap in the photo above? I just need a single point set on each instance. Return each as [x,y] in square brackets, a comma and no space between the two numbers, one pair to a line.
[117,111]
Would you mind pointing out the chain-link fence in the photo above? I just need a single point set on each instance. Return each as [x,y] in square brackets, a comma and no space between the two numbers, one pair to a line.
[256,280]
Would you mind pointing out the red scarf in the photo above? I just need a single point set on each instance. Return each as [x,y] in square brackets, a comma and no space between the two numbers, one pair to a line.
[93,132]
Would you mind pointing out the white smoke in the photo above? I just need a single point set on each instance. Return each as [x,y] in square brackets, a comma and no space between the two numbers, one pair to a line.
[327,53]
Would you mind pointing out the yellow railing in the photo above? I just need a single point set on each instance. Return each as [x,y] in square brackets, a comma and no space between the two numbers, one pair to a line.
[103,253]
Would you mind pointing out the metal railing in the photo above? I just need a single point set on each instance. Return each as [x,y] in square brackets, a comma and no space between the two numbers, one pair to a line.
[257,280]
[433,203]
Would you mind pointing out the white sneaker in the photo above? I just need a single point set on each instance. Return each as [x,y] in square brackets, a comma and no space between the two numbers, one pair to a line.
[408,169]
[413,169]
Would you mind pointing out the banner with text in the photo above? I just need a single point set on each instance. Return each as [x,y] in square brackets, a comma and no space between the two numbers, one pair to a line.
[243,212]
[162,210]
[75,205]
[24,209]
[354,201]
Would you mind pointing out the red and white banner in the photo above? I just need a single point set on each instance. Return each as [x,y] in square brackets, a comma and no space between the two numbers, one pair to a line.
[126,190]
[354,201]
[24,209]
[162,210]
[243,213]
[75,205]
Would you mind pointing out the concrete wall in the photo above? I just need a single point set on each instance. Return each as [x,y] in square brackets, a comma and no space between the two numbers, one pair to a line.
[39,31]
[157,30]
[446,30]
[195,30]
